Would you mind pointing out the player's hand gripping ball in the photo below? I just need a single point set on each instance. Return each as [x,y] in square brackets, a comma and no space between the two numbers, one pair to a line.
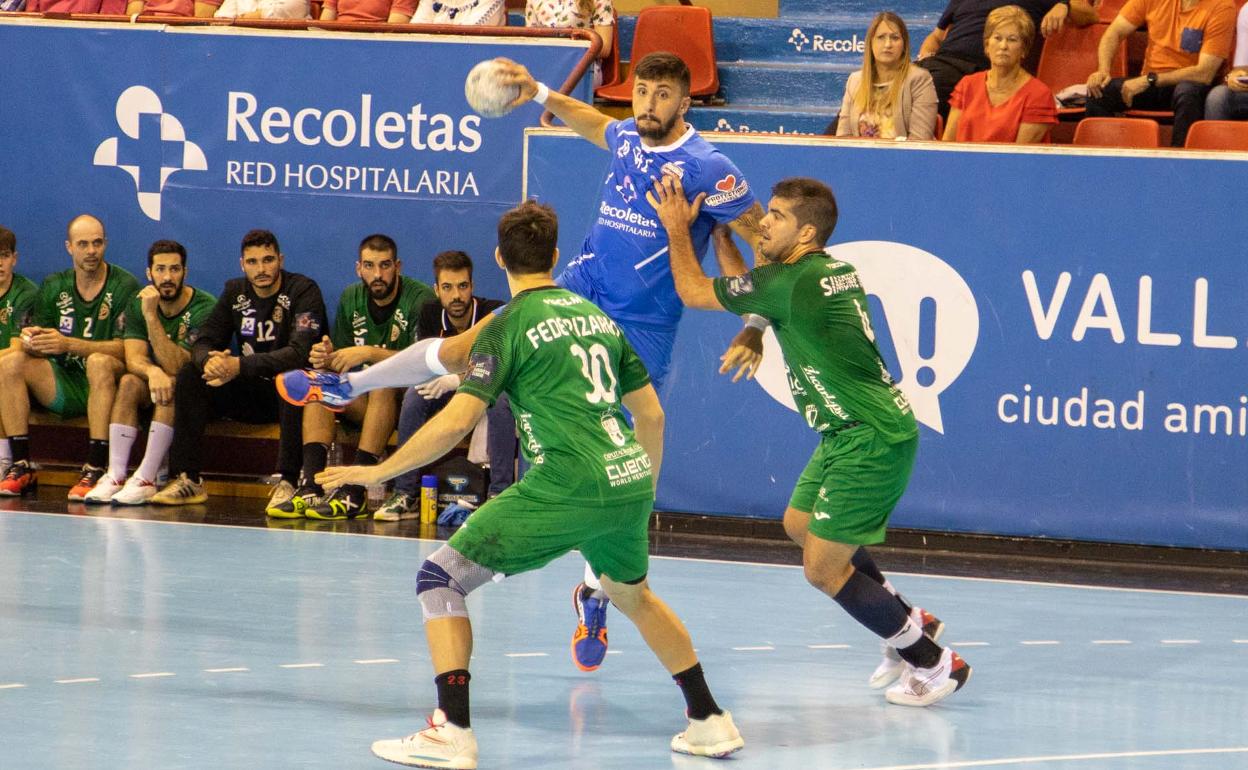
[486,94]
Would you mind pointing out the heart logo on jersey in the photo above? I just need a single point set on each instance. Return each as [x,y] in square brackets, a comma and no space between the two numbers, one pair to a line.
[727,183]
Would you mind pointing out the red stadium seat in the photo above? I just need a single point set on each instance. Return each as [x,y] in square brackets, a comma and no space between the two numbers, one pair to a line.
[1107,10]
[1069,57]
[685,31]
[1218,135]
[611,65]
[1118,132]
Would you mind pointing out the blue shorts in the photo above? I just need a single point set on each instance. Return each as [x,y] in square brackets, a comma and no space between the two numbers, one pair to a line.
[652,345]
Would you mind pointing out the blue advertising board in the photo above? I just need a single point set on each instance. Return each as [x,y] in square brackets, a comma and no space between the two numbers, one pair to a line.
[200,134]
[1071,329]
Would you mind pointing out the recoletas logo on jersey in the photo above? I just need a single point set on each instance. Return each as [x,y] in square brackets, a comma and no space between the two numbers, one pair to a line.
[150,158]
[930,314]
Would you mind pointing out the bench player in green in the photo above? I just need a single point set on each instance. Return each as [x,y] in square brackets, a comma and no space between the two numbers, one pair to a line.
[376,318]
[868,434]
[73,347]
[569,372]
[18,295]
[162,323]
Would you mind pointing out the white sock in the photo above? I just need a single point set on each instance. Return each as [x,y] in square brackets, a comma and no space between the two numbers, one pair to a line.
[411,366]
[910,633]
[120,441]
[591,580]
[159,438]
[6,452]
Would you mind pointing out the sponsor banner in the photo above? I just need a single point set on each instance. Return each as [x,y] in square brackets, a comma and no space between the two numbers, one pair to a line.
[1078,370]
[201,134]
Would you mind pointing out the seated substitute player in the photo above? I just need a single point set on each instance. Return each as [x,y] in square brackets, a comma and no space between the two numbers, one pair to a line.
[162,323]
[455,310]
[274,316]
[568,370]
[71,357]
[859,471]
[376,317]
[18,297]
[623,266]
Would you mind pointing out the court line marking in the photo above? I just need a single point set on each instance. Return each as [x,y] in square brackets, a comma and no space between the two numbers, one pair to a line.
[615,652]
[757,648]
[302,665]
[153,675]
[1038,642]
[1240,641]
[1062,758]
[527,654]
[1180,641]
[374,661]
[1004,581]
[232,670]
[13,686]
[83,680]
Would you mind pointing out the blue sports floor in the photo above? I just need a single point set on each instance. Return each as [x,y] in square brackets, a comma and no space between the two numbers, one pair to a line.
[141,644]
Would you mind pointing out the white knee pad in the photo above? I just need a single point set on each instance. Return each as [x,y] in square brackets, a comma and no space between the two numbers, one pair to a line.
[445,579]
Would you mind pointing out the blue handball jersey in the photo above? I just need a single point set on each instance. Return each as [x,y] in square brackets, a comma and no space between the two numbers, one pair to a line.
[624,266]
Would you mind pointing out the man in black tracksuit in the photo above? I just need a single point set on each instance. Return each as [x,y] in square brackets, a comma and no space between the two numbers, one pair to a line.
[275,317]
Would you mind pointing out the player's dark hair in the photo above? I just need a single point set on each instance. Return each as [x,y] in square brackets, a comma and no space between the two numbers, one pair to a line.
[380,242]
[166,247]
[813,204]
[451,260]
[662,65]
[8,241]
[259,238]
[527,237]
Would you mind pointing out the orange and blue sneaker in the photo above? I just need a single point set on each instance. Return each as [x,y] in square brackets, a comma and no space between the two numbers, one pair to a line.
[589,642]
[19,479]
[308,386]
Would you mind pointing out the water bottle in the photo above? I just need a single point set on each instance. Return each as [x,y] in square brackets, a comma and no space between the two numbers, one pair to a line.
[428,499]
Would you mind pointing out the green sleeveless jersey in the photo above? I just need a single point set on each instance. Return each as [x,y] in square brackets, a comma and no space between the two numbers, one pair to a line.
[182,328]
[102,318]
[354,324]
[564,366]
[17,308]
[818,310]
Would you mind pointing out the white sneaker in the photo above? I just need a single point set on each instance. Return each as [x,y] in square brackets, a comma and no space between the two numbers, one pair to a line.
[103,490]
[135,491]
[892,665]
[925,686]
[716,736]
[5,464]
[282,492]
[398,507]
[441,744]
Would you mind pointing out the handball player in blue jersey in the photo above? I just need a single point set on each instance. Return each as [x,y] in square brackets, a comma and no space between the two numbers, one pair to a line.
[623,266]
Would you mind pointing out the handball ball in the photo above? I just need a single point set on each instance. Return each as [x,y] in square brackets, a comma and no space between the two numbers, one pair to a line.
[485,94]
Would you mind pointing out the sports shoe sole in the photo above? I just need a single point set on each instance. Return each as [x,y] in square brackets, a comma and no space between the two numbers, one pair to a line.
[576,636]
[714,751]
[455,763]
[192,500]
[956,682]
[278,513]
[937,630]
[313,396]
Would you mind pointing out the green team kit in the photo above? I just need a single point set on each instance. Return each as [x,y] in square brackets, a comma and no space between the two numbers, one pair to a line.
[102,318]
[182,327]
[354,323]
[17,307]
[565,365]
[860,469]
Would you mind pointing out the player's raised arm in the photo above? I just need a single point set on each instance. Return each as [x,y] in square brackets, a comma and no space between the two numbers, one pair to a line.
[582,118]
[675,212]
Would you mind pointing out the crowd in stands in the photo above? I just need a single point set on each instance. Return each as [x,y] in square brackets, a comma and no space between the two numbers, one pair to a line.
[92,341]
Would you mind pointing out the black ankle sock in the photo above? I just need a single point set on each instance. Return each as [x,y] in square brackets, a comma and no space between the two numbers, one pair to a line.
[923,654]
[314,458]
[20,446]
[366,458]
[97,452]
[863,562]
[698,699]
[453,696]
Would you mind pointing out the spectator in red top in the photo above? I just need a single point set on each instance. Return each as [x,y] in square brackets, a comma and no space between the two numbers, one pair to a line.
[201,8]
[1004,103]
[71,6]
[390,11]
[1187,42]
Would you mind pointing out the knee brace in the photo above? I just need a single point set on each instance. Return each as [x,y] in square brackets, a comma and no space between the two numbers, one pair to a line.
[445,579]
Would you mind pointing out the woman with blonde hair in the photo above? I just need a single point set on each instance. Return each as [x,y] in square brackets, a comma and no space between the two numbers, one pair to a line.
[889,98]
[1003,103]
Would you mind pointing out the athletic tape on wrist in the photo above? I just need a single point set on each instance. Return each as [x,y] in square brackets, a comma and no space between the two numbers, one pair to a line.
[756,322]
[543,93]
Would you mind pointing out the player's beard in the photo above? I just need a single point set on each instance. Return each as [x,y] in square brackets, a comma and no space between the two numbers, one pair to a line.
[648,131]
[170,290]
[379,289]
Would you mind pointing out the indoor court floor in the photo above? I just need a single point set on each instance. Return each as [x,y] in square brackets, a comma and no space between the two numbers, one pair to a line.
[132,643]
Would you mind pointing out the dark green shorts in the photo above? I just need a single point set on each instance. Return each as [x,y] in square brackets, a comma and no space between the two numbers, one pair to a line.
[517,532]
[852,483]
[71,390]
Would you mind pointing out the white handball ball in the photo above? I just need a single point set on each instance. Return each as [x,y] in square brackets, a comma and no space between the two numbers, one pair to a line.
[485,94]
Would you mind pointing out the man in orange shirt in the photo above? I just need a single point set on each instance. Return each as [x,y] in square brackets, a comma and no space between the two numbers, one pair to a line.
[1188,40]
